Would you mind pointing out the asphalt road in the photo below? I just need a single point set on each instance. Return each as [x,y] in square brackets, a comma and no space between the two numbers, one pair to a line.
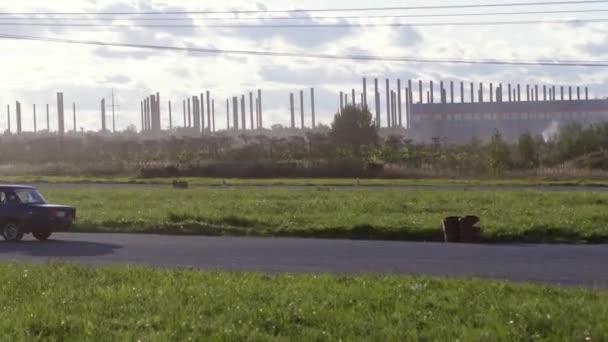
[568,265]
[405,187]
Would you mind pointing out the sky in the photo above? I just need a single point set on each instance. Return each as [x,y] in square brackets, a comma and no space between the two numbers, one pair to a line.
[32,72]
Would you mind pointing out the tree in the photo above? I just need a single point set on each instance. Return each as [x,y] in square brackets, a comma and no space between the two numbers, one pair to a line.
[528,151]
[354,128]
[499,154]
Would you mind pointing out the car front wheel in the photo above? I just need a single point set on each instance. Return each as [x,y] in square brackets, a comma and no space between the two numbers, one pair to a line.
[12,232]
[42,235]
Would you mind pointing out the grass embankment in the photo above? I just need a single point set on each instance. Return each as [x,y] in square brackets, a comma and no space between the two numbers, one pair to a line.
[72,303]
[335,182]
[526,216]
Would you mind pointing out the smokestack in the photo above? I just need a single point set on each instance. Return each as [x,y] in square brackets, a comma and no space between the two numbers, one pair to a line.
[227,114]
[209,110]
[432,93]
[509,89]
[544,92]
[60,113]
[18,111]
[480,92]
[235,112]
[399,107]
[586,94]
[312,105]
[420,91]
[451,91]
[257,112]
[35,123]
[302,107]
[407,107]
[499,93]
[293,119]
[141,104]
[251,110]
[472,93]
[462,92]
[195,113]
[388,103]
[578,93]
[189,114]
[103,114]
[201,111]
[364,101]
[377,98]
[170,117]
[492,93]
[243,113]
[156,114]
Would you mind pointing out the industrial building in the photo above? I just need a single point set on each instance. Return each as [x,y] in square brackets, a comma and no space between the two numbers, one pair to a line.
[477,111]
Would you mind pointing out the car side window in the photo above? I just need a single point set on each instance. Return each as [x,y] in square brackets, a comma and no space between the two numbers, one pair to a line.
[10,198]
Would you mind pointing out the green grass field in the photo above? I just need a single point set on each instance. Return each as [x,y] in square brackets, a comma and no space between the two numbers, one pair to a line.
[72,303]
[336,182]
[527,216]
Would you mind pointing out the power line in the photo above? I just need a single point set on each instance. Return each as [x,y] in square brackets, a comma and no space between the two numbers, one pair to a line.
[337,25]
[380,16]
[361,9]
[319,56]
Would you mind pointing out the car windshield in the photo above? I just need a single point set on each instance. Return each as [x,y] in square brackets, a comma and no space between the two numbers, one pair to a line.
[29,196]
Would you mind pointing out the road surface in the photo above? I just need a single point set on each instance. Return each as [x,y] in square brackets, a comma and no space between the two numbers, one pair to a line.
[555,264]
[404,187]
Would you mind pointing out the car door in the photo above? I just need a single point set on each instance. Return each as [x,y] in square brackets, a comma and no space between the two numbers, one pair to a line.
[15,209]
[3,208]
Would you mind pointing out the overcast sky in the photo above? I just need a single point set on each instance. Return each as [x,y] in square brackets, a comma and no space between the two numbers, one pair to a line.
[32,72]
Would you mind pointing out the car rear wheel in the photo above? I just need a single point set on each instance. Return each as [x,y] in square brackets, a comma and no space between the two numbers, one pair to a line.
[42,235]
[12,232]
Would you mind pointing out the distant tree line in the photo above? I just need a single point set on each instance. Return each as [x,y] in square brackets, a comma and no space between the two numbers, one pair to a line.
[351,147]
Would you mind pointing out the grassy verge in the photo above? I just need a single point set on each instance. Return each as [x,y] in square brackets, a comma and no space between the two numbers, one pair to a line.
[72,303]
[336,182]
[507,216]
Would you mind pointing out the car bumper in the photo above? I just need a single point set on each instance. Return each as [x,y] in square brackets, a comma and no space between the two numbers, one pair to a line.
[53,225]
[62,225]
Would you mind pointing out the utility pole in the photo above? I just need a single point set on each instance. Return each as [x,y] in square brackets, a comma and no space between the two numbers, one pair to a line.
[113,114]
[35,126]
[170,117]
[74,115]
[8,117]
